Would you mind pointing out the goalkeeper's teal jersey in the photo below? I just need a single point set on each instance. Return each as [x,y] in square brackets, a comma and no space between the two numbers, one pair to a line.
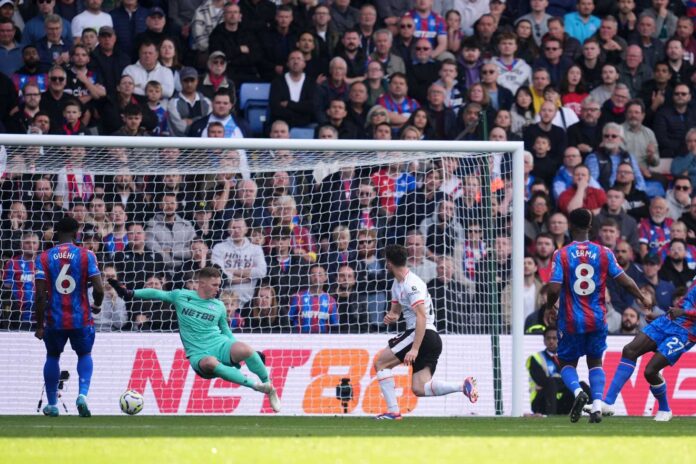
[202,323]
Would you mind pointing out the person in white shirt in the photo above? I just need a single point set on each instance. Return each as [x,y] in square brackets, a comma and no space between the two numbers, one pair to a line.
[243,262]
[93,17]
[147,69]
[419,346]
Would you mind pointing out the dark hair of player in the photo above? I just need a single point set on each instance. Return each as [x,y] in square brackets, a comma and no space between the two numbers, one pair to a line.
[67,225]
[580,218]
[396,254]
[209,273]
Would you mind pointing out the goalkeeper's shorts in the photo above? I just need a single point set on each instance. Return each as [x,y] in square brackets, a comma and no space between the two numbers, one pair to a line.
[221,352]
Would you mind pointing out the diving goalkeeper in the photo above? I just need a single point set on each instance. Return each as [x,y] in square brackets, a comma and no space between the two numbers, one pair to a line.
[210,346]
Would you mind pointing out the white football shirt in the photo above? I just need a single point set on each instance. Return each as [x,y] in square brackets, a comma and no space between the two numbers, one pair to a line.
[409,293]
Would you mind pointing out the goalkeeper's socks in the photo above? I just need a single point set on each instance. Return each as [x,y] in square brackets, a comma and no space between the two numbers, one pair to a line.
[256,365]
[84,372]
[623,373]
[440,387]
[51,377]
[232,374]
[660,394]
[570,378]
[387,385]
[597,381]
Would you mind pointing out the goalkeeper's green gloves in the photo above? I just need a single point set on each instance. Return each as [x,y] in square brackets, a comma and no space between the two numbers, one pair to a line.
[121,289]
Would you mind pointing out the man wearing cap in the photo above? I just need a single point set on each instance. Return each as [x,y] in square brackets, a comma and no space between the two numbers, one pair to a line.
[156,30]
[129,20]
[34,29]
[216,77]
[189,106]
[92,17]
[107,60]
[148,69]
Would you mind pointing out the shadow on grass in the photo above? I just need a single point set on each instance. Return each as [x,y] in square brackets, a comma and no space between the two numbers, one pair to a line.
[265,427]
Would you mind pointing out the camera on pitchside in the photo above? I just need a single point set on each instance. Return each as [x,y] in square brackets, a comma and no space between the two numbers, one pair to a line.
[344,393]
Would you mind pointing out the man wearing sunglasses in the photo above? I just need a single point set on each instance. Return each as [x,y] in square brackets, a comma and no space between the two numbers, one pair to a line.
[672,121]
[604,163]
[54,98]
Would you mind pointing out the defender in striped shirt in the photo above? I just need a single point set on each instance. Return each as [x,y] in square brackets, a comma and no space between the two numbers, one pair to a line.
[419,346]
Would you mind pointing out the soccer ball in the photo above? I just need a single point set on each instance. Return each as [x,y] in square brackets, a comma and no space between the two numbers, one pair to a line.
[131,402]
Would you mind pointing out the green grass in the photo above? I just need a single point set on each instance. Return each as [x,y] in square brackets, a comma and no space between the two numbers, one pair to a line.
[322,440]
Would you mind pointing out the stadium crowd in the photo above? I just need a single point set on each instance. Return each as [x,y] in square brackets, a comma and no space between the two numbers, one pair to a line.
[600,93]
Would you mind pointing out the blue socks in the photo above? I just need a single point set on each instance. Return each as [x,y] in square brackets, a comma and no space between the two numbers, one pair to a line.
[570,378]
[660,394]
[597,381]
[84,371]
[623,373]
[51,374]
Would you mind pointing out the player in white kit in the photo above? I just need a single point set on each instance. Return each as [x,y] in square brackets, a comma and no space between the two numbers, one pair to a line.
[419,346]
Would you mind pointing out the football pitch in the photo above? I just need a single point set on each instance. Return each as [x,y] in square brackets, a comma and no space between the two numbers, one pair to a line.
[199,439]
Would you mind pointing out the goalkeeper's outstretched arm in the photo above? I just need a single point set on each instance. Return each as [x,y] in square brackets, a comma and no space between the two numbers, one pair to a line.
[143,293]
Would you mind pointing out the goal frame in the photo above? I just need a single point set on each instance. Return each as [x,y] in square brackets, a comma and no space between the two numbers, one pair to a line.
[516,148]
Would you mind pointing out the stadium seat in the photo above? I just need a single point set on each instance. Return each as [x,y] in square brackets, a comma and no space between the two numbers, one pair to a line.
[302,133]
[253,100]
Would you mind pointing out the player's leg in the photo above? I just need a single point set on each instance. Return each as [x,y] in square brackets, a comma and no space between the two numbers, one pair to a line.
[239,352]
[658,385]
[570,349]
[595,346]
[640,345]
[384,363]
[55,341]
[82,341]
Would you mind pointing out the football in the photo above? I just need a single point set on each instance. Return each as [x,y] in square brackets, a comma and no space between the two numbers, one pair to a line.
[131,402]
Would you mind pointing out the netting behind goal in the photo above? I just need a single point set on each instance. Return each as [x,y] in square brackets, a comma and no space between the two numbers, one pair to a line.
[298,236]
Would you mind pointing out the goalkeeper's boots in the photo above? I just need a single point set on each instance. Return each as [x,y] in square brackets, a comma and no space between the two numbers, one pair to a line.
[82,407]
[269,390]
[580,401]
[470,390]
[389,416]
[51,410]
[595,417]
[663,416]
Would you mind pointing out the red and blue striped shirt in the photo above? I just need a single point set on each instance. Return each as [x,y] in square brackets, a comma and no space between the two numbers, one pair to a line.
[688,319]
[19,278]
[582,269]
[67,268]
[313,313]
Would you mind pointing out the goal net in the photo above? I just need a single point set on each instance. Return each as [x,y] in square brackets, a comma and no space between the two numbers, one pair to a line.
[298,230]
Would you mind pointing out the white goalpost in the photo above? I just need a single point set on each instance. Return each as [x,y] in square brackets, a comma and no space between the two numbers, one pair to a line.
[297,228]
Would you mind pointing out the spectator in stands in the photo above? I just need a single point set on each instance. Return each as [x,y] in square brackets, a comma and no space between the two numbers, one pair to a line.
[675,268]
[383,53]
[248,206]
[538,209]
[582,24]
[14,226]
[673,121]
[215,78]
[338,118]
[657,90]
[443,119]
[200,258]
[284,214]
[292,95]
[573,89]
[552,59]
[10,50]
[608,234]
[128,21]
[324,30]
[188,106]
[223,105]
[113,316]
[604,162]
[591,63]
[244,54]
[397,102]
[43,212]
[313,310]
[565,117]
[640,140]
[74,183]
[678,230]
[443,230]
[543,251]
[132,122]
[630,322]
[549,395]
[356,60]
[610,77]
[93,17]
[500,97]
[424,70]
[286,270]
[564,176]
[352,317]
[34,29]
[538,18]
[571,47]
[156,30]
[449,297]
[636,200]
[653,49]
[685,165]
[512,73]
[613,209]
[18,280]
[108,61]
[681,69]
[654,230]
[545,127]
[679,197]
[665,20]
[634,72]
[53,100]
[335,86]
[528,50]
[265,315]
[417,260]
[147,68]
[84,84]
[371,277]
[169,234]
[613,46]
[664,289]
[20,121]
[470,62]
[581,195]
[522,110]
[206,17]
[344,17]
[558,229]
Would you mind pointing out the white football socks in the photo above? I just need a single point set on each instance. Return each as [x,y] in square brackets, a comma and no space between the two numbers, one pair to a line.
[388,387]
[440,387]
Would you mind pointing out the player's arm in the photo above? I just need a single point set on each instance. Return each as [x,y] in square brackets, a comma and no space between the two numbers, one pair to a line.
[224,325]
[553,291]
[142,294]
[411,356]
[40,299]
[97,293]
[394,313]
[630,285]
